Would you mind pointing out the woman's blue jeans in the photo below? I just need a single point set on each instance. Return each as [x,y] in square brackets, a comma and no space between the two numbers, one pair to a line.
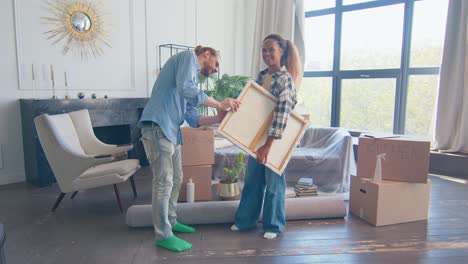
[262,187]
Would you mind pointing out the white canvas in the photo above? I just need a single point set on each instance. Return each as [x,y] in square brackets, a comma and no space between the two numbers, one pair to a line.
[247,127]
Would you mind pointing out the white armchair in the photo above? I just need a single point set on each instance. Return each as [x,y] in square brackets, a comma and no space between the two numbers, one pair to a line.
[78,159]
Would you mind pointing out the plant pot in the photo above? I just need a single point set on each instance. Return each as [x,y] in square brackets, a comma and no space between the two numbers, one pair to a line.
[228,190]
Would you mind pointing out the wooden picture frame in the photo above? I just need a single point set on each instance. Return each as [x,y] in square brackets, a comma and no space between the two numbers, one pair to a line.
[247,128]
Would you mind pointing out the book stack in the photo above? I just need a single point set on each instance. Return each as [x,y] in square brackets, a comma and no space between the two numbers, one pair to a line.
[305,187]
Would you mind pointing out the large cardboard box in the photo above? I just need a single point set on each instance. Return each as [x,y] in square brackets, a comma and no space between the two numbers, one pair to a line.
[406,159]
[201,177]
[198,146]
[389,202]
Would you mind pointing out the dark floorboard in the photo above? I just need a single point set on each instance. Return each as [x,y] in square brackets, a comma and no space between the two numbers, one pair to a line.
[90,229]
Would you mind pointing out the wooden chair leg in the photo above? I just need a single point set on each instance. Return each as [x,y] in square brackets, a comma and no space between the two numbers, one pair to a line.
[57,202]
[118,197]
[73,195]
[132,181]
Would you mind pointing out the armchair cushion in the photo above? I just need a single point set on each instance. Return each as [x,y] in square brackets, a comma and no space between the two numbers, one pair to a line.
[62,126]
[106,174]
[120,168]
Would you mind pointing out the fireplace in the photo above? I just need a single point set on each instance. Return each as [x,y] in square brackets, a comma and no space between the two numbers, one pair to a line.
[116,135]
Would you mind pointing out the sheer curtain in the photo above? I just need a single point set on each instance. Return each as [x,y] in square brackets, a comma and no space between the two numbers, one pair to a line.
[451,126]
[283,17]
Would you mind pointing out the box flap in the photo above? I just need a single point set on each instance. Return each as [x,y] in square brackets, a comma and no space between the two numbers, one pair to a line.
[406,159]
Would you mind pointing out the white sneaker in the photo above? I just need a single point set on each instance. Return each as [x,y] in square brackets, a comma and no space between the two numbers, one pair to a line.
[234,228]
[270,235]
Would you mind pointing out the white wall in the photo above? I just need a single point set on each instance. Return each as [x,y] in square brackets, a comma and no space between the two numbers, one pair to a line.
[226,25]
[10,122]
[119,71]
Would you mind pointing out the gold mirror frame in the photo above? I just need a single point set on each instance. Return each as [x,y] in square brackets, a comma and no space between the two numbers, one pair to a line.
[77,34]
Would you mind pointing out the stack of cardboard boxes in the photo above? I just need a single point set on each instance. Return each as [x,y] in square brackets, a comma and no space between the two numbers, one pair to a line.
[402,195]
[197,162]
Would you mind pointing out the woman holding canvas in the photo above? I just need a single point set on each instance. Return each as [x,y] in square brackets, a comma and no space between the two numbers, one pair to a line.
[262,185]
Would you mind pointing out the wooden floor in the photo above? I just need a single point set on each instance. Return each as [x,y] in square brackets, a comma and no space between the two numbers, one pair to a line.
[90,229]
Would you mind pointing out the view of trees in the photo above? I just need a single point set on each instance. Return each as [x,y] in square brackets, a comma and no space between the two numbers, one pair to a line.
[367,103]
[314,97]
[420,107]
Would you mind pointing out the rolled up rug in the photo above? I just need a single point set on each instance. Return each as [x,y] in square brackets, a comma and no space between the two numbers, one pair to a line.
[218,212]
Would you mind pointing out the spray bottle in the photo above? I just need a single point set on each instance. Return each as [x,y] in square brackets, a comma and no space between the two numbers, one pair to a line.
[378,167]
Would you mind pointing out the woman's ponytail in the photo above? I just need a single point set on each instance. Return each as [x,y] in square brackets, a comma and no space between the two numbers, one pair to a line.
[293,63]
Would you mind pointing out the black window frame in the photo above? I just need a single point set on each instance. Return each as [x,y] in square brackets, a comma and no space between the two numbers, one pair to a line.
[401,74]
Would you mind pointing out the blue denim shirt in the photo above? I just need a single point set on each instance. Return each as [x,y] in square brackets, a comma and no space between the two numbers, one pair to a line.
[175,95]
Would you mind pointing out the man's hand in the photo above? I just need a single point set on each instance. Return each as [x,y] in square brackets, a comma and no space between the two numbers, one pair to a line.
[230,104]
[221,115]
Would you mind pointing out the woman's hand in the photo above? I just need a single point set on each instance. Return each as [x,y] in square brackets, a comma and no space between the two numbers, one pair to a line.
[262,152]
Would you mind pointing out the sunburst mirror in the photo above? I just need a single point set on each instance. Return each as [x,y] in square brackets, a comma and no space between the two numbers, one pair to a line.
[78,25]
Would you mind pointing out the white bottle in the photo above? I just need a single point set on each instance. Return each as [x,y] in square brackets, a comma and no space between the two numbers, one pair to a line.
[190,191]
[378,167]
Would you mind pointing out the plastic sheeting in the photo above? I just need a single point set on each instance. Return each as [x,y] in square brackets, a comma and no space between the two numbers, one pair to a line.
[323,154]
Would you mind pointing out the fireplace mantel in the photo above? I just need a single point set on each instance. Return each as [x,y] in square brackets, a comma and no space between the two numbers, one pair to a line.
[103,112]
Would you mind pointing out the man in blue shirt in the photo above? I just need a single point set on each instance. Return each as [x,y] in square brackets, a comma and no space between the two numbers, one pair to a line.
[175,95]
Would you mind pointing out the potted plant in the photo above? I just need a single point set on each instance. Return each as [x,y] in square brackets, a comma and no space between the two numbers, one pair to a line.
[228,86]
[228,189]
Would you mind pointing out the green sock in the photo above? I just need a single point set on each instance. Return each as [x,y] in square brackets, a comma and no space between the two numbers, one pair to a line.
[179,227]
[174,244]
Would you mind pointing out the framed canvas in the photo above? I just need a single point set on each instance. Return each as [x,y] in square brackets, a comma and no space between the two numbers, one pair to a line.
[247,128]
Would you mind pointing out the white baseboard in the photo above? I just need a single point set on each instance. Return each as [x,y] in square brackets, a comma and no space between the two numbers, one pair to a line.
[11,177]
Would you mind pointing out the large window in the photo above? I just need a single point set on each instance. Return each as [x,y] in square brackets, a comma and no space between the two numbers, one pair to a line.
[375,45]
[316,100]
[373,65]
[362,100]
[319,36]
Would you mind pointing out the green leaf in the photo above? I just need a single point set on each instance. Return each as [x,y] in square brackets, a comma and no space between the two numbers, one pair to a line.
[237,169]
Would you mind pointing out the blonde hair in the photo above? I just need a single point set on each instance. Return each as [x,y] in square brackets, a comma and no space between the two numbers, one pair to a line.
[200,50]
[290,58]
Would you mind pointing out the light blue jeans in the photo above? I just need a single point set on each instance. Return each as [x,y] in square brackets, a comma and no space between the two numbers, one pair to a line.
[166,165]
[262,186]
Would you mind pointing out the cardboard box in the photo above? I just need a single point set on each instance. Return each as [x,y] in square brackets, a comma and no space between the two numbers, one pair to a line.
[198,146]
[389,202]
[405,160]
[201,177]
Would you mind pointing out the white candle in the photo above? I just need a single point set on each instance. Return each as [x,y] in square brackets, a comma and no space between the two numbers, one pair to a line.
[53,81]
[33,76]
[66,85]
